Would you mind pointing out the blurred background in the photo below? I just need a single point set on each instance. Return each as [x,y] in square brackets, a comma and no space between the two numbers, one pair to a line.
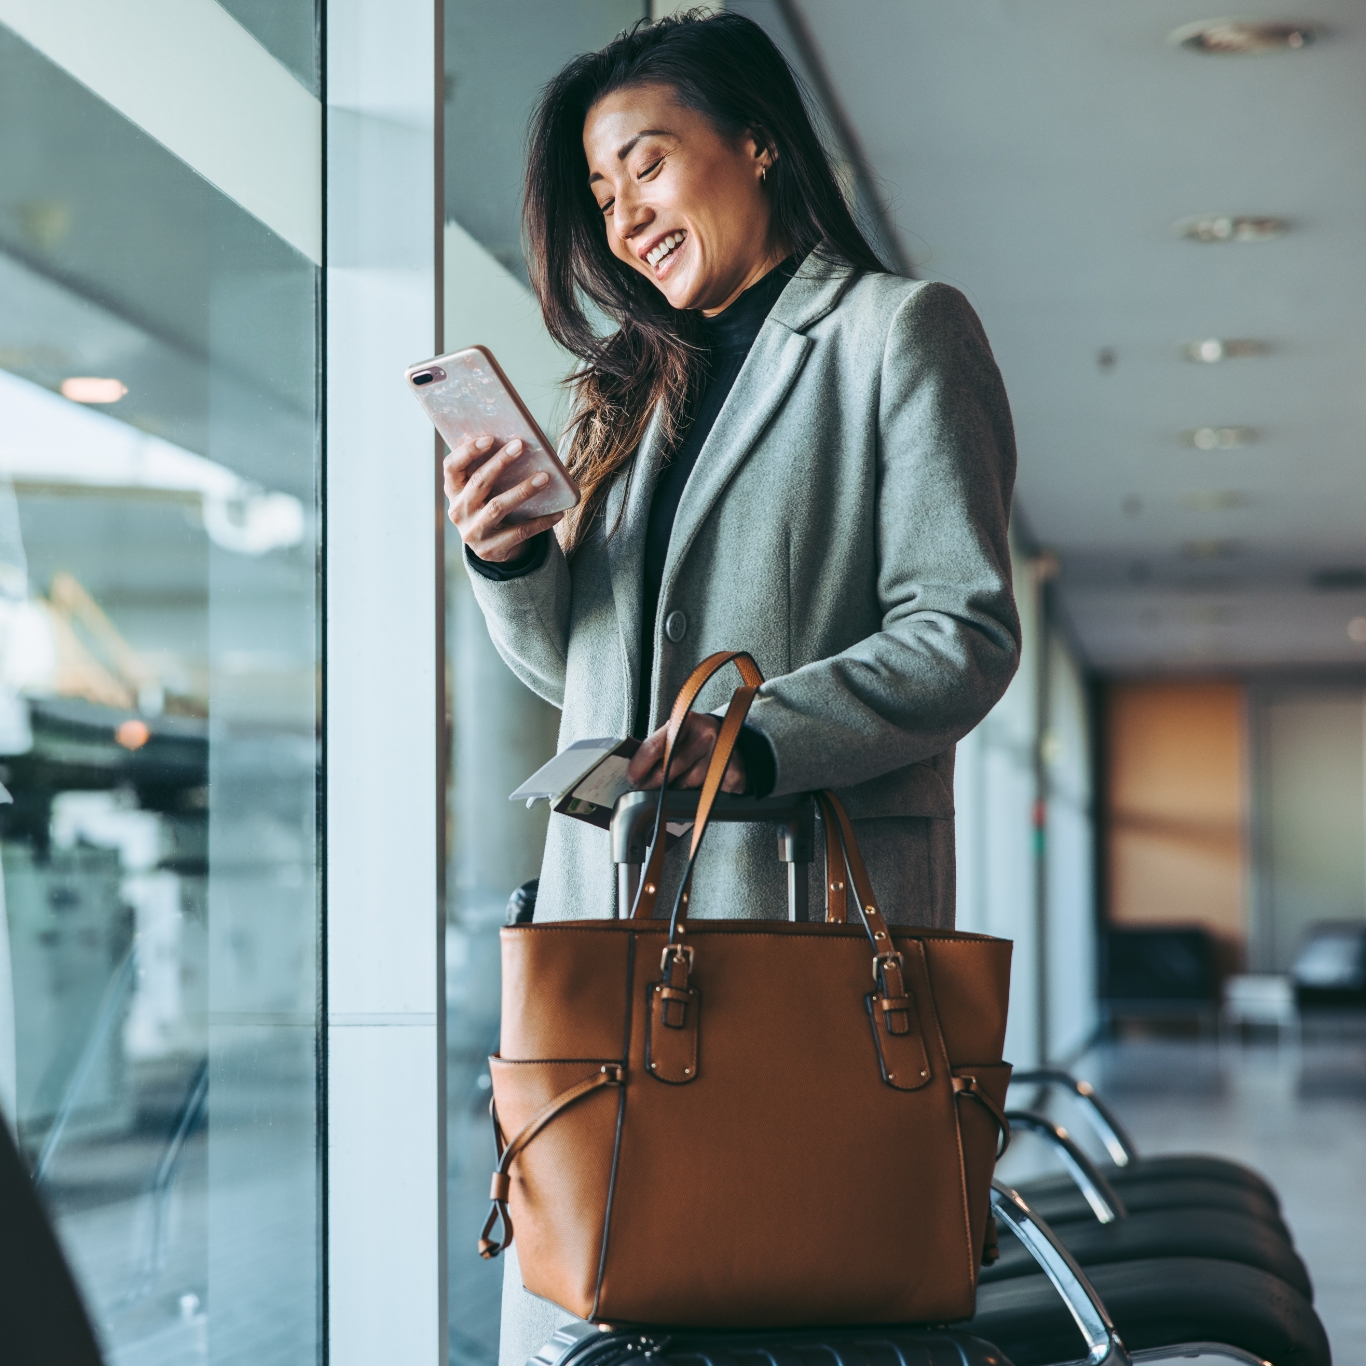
[1158,214]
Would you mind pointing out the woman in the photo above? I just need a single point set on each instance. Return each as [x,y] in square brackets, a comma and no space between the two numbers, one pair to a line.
[781,448]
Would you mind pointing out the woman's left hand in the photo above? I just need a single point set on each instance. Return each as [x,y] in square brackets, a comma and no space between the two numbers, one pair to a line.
[692,753]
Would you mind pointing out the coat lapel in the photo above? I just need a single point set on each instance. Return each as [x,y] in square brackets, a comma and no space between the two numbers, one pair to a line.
[764,381]
[626,551]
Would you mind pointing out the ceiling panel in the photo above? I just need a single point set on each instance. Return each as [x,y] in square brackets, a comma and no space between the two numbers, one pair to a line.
[1037,154]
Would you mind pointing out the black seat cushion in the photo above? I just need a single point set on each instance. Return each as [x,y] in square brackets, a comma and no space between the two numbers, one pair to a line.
[1191,1166]
[1157,1303]
[1228,1235]
[1182,1167]
[1060,1202]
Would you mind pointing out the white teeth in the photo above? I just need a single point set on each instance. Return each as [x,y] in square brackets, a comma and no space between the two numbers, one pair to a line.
[661,249]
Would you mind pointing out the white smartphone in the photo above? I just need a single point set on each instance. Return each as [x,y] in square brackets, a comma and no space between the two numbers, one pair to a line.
[466,394]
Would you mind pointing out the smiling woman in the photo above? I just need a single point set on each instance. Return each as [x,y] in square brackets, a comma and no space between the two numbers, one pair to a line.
[781,448]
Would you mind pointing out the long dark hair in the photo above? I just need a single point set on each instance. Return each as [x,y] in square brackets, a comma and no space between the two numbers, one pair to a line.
[727,68]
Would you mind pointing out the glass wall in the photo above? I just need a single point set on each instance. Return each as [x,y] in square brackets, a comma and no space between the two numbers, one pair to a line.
[159,443]
[498,56]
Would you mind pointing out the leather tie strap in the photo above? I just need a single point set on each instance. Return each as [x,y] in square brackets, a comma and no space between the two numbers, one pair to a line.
[609,1074]
[967,1085]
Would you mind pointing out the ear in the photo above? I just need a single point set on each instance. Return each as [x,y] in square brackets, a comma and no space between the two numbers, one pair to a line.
[759,149]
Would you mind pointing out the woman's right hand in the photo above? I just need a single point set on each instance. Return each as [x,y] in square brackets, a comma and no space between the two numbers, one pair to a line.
[471,470]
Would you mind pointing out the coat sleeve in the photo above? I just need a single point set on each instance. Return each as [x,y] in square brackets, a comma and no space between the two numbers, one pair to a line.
[950,637]
[528,619]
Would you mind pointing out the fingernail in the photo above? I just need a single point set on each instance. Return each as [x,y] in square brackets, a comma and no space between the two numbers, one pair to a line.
[540,481]
[483,443]
[513,447]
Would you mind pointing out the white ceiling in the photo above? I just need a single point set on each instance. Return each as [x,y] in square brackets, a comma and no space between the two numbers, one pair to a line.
[1036,154]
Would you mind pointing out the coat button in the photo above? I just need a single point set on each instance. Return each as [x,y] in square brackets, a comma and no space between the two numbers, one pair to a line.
[675,626]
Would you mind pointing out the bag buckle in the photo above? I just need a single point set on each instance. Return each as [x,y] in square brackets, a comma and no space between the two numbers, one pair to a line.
[892,958]
[672,952]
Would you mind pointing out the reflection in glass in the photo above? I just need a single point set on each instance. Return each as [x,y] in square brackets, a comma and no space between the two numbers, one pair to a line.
[499,53]
[158,730]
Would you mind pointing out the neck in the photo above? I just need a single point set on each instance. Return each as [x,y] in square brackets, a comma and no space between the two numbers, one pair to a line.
[756,272]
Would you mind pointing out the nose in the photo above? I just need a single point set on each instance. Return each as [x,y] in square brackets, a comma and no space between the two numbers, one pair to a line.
[629,216]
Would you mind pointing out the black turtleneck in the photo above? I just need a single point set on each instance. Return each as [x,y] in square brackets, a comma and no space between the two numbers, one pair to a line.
[727,339]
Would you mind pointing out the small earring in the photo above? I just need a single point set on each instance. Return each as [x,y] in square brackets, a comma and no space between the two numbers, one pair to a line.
[763,175]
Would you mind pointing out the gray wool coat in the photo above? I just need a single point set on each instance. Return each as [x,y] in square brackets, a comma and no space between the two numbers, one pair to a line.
[846,523]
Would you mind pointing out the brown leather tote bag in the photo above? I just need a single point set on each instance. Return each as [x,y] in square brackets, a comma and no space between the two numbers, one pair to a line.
[731,1123]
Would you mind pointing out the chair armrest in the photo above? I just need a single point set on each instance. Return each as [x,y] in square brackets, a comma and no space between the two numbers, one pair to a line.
[1086,1307]
[1099,1193]
[1101,1118]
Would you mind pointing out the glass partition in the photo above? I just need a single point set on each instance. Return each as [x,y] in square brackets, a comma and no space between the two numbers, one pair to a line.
[159,999]
[499,53]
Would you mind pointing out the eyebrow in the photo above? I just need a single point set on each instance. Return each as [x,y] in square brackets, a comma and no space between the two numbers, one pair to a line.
[625,149]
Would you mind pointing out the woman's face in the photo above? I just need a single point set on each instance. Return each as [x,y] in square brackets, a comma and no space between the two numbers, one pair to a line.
[682,204]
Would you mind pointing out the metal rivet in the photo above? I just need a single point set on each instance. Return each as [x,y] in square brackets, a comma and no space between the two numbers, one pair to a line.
[650,888]
[687,1071]
[924,1074]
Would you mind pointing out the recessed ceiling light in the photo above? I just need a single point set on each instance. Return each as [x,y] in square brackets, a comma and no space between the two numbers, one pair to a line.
[1214,349]
[1241,37]
[133,733]
[1226,227]
[1214,500]
[1356,630]
[89,389]
[1219,438]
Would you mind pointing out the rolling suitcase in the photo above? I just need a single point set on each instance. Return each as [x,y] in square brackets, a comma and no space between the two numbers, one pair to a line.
[580,1344]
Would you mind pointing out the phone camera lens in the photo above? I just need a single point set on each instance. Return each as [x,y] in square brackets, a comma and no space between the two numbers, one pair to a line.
[423,377]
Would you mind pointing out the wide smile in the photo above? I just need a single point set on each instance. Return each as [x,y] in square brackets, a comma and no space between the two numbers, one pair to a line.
[661,256]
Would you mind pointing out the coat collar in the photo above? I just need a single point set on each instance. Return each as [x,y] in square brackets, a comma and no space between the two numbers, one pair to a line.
[763,383]
[769,371]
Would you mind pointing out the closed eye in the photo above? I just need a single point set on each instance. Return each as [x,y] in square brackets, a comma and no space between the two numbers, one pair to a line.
[607,207]
[650,169]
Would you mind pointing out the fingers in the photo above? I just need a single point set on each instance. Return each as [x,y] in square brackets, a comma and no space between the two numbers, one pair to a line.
[481,482]
[494,512]
[470,451]
[462,457]
[507,544]
[691,759]
[646,759]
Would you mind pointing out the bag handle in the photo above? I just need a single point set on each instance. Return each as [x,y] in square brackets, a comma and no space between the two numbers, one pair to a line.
[836,874]
[644,908]
[728,737]
[889,969]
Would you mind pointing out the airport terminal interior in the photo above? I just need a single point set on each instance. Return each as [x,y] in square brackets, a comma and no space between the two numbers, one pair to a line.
[256,743]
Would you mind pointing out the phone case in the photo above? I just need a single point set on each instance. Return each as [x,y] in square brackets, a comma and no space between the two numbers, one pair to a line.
[468,395]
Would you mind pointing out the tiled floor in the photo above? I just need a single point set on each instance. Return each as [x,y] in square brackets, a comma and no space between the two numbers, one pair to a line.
[1296,1115]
